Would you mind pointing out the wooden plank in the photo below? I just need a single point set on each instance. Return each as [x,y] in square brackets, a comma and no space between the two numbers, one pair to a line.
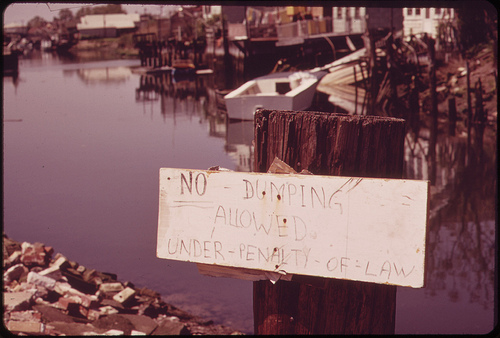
[361,229]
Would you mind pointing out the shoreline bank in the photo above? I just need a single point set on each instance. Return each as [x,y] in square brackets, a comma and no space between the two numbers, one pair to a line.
[52,295]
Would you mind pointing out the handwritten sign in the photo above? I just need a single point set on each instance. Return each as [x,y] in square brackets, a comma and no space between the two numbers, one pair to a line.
[361,229]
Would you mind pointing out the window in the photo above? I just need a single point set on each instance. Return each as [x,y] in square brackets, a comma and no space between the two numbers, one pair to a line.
[417,11]
[356,12]
[427,13]
[339,12]
[409,11]
[437,11]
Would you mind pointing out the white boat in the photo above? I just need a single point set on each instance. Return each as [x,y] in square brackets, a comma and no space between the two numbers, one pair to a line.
[283,91]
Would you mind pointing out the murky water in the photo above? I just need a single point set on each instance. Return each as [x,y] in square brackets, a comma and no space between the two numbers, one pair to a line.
[83,144]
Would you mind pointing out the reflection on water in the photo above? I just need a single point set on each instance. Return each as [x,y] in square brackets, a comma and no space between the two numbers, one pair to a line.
[113,74]
[195,95]
[460,257]
[81,168]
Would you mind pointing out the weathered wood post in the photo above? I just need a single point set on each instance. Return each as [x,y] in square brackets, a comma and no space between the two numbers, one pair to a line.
[469,111]
[452,116]
[414,105]
[327,144]
[479,120]
[434,111]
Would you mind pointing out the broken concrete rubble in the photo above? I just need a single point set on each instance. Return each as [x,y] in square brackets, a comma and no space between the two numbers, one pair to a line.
[45,296]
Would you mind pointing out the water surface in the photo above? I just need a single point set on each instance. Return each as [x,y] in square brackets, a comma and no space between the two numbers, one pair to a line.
[83,144]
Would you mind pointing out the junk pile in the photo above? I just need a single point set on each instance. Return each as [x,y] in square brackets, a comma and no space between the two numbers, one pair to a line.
[56,296]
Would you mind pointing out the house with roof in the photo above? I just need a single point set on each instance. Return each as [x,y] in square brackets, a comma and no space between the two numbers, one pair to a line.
[107,25]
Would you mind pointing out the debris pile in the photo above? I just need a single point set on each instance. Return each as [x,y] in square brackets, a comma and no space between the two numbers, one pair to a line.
[56,296]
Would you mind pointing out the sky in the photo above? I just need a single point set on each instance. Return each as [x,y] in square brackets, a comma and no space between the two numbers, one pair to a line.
[21,13]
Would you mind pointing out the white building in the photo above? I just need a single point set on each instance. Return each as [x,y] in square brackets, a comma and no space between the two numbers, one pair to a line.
[107,25]
[15,28]
[425,20]
[355,20]
[210,11]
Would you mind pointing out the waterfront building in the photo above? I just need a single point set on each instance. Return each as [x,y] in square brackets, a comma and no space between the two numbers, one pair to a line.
[107,25]
[426,20]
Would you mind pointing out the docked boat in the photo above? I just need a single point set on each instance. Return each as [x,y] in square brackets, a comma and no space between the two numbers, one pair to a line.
[183,69]
[10,61]
[284,91]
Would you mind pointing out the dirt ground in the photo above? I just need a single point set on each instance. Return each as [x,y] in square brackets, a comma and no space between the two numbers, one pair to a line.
[452,82]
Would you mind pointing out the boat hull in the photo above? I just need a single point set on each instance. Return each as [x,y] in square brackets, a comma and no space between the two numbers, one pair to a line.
[241,105]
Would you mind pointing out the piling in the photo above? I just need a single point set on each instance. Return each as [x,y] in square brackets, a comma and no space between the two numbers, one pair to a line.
[479,119]
[327,144]
[452,116]
[469,111]
[434,110]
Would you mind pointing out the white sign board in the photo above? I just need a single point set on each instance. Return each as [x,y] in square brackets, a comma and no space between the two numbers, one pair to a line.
[363,229]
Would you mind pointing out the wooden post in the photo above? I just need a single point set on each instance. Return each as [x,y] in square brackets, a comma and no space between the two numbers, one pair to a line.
[469,111]
[228,69]
[479,120]
[434,111]
[327,144]
[356,92]
[414,104]
[452,116]
[370,46]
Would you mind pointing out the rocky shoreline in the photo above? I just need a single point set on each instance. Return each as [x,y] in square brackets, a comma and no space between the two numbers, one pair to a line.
[45,295]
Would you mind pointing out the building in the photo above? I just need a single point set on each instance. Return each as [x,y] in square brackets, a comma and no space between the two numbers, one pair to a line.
[107,25]
[426,20]
[209,12]
[15,29]
[356,20]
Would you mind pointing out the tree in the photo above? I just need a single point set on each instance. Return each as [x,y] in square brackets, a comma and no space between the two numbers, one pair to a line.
[476,26]
[65,15]
[104,9]
[109,9]
[37,22]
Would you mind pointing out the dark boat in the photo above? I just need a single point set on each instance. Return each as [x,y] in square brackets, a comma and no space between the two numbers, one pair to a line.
[10,61]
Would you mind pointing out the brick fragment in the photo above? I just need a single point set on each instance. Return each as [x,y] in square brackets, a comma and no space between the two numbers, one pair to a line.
[25,316]
[114,332]
[17,301]
[107,310]
[111,287]
[78,283]
[61,262]
[14,258]
[124,296]
[149,293]
[9,246]
[37,279]
[49,251]
[94,314]
[137,333]
[14,273]
[89,274]
[63,303]
[33,254]
[52,272]
[25,327]
[108,277]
